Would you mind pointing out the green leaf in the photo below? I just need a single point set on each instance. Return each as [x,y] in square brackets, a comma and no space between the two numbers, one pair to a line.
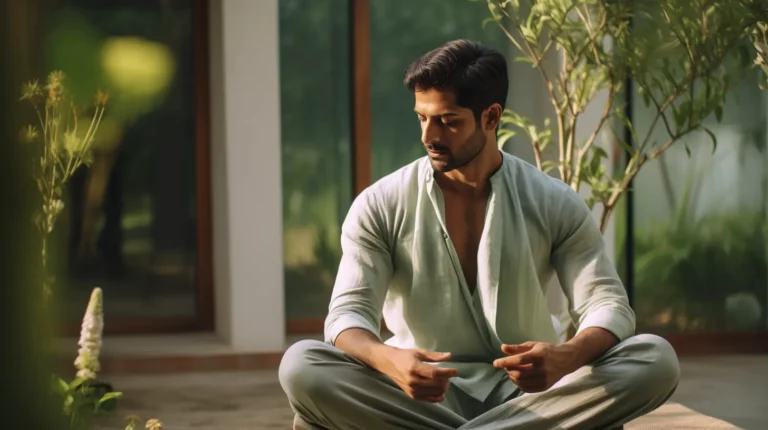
[523,59]
[719,113]
[504,136]
[528,34]
[488,21]
[646,97]
[68,402]
[714,138]
[678,116]
[77,383]
[627,123]
[548,165]
[687,149]
[107,402]
[625,146]
[109,396]
[60,386]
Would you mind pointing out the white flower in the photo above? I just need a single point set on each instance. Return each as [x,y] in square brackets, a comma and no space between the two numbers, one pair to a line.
[87,362]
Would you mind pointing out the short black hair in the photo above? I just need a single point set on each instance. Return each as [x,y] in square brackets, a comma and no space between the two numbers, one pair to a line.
[475,74]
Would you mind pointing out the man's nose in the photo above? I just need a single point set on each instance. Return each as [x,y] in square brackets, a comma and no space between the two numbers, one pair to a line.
[430,132]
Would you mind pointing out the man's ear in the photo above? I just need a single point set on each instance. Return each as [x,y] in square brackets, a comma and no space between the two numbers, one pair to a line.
[493,116]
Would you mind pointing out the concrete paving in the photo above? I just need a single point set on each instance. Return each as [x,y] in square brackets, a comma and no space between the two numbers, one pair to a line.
[724,392]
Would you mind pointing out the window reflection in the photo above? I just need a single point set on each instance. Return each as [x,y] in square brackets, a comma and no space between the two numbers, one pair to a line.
[317,168]
[131,218]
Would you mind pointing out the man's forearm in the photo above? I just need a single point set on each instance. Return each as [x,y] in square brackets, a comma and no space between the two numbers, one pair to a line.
[590,344]
[364,346]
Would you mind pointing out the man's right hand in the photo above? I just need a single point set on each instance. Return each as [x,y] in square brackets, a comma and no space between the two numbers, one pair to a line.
[410,369]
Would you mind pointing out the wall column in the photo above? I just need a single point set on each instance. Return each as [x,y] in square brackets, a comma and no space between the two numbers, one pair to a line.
[246,174]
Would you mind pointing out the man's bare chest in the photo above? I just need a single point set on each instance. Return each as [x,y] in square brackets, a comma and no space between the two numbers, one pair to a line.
[464,220]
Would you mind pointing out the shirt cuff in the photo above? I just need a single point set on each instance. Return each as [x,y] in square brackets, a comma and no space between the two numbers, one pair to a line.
[611,319]
[336,324]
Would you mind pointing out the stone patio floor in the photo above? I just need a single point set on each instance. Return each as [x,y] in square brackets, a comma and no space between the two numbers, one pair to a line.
[723,392]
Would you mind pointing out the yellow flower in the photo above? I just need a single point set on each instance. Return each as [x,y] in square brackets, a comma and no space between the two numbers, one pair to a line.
[101,98]
[132,422]
[71,142]
[154,424]
[55,78]
[29,134]
[55,86]
[30,90]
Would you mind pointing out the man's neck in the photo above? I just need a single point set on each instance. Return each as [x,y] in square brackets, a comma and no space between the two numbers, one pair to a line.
[472,179]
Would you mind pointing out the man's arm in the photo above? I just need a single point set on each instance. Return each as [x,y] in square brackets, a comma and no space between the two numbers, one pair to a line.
[353,322]
[597,298]
[364,271]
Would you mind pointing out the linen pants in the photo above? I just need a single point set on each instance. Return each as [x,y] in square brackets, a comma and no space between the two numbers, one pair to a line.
[330,389]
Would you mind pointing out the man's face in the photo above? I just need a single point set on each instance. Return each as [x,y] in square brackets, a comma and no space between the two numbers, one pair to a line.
[449,132]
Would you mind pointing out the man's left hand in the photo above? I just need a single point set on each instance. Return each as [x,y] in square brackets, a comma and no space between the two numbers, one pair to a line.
[537,366]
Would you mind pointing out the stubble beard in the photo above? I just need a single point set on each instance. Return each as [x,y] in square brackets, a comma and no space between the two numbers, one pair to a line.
[471,148]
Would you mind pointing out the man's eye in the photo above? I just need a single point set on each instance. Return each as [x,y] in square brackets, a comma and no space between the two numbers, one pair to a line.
[450,124]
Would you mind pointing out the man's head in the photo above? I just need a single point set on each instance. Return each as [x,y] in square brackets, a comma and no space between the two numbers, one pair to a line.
[460,90]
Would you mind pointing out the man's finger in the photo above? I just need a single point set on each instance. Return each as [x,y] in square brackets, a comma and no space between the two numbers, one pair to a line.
[517,349]
[433,356]
[434,372]
[429,383]
[525,375]
[523,361]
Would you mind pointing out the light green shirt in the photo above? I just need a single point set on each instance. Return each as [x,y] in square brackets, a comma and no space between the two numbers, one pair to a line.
[398,260]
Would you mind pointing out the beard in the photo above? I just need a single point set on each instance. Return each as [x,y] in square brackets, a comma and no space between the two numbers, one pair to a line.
[449,160]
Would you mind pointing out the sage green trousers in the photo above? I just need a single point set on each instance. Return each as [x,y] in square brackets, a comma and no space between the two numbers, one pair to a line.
[330,389]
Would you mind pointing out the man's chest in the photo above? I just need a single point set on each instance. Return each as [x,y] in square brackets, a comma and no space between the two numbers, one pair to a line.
[465,222]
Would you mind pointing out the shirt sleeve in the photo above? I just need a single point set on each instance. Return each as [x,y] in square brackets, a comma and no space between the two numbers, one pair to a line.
[596,295]
[364,272]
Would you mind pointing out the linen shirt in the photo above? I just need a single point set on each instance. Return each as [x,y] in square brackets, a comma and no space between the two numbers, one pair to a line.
[398,262]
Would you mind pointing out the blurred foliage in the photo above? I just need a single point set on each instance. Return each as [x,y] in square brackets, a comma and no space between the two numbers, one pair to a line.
[25,327]
[688,269]
[685,273]
[683,55]
[760,40]
[119,50]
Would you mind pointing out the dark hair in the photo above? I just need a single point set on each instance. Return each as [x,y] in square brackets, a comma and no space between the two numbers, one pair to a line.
[475,74]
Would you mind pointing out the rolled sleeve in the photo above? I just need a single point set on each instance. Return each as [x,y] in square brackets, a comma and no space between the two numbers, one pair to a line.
[596,295]
[364,272]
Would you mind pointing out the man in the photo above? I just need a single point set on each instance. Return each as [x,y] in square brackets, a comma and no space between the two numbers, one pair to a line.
[457,249]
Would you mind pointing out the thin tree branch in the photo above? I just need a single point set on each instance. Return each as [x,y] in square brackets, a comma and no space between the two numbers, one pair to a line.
[576,179]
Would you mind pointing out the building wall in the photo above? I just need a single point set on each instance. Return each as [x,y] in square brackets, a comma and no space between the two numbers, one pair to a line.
[245,153]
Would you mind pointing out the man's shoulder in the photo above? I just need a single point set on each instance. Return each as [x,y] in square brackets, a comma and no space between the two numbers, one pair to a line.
[528,180]
[400,183]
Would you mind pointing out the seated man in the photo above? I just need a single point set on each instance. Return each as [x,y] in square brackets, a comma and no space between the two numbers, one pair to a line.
[456,249]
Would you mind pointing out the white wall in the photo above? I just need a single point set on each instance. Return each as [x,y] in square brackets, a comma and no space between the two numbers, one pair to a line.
[245,153]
